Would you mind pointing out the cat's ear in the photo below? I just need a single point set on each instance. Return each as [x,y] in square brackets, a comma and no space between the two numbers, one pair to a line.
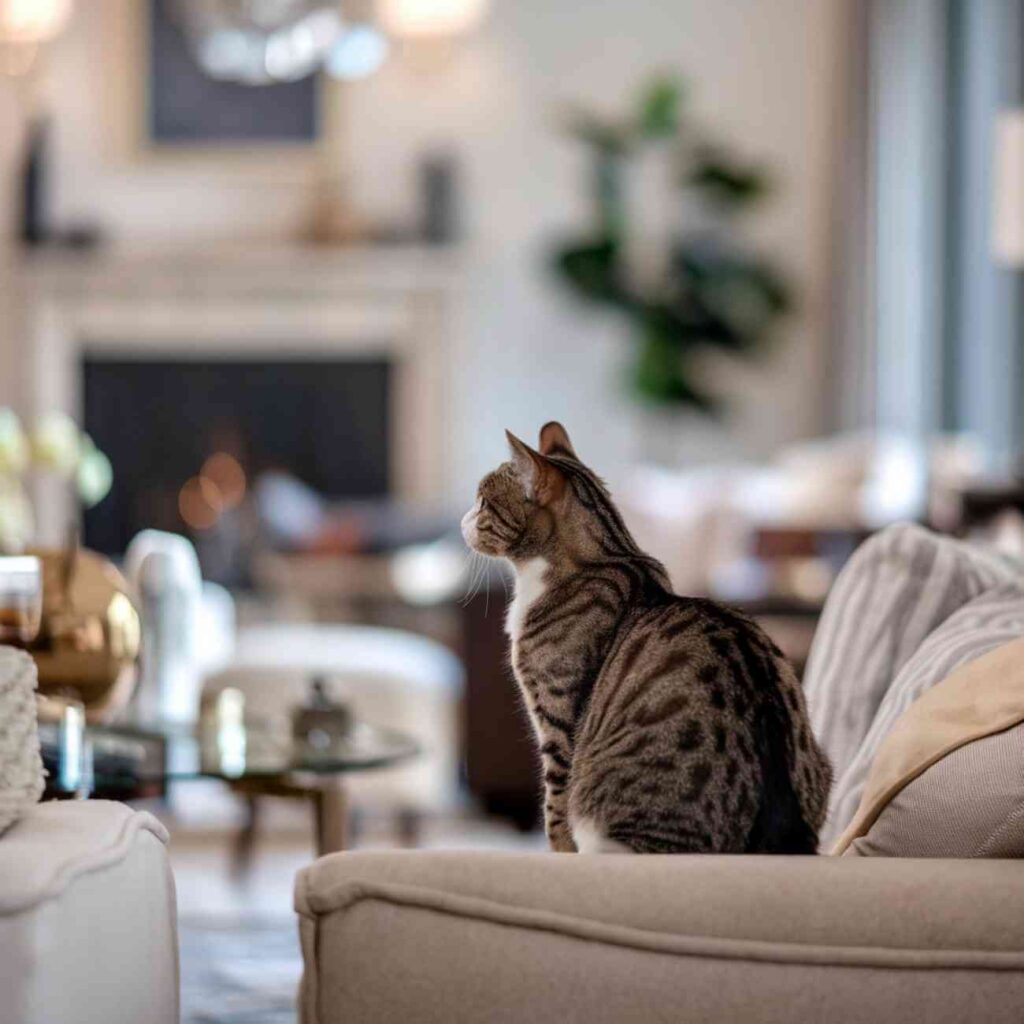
[554,440]
[543,481]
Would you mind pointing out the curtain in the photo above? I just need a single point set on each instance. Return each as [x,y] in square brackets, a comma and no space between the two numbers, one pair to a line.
[937,344]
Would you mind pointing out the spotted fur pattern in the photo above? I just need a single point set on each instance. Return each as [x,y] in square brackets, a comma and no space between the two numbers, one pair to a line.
[664,723]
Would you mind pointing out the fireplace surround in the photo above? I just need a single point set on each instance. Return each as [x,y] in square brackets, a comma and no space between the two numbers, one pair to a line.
[253,305]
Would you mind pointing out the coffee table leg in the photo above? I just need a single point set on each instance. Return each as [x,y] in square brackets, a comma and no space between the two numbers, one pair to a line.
[330,809]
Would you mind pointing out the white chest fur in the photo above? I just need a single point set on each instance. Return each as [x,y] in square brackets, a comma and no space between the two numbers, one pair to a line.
[529,587]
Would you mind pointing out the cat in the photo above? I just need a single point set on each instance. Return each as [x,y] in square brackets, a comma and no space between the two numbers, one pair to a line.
[665,724]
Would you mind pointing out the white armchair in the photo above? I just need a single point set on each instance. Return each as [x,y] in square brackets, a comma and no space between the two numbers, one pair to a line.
[88,928]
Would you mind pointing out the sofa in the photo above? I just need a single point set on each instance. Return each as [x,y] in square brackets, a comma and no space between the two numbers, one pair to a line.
[452,937]
[917,674]
[88,930]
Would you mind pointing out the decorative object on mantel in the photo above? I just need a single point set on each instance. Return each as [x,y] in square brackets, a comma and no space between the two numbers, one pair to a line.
[36,228]
[687,291]
[56,446]
[439,197]
[91,632]
[26,26]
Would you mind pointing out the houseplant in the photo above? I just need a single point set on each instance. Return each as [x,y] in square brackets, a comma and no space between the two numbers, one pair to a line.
[701,291]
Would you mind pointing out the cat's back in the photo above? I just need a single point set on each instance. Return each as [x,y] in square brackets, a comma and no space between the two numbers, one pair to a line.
[698,705]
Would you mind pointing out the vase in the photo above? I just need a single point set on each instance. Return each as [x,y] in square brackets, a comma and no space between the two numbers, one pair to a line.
[90,633]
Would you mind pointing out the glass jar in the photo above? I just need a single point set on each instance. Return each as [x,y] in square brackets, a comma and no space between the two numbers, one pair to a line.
[21,598]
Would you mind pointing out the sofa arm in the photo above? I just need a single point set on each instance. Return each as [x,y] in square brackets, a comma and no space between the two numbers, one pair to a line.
[455,936]
[88,928]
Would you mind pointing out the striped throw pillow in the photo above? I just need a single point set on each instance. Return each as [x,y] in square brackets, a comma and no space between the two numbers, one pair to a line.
[894,593]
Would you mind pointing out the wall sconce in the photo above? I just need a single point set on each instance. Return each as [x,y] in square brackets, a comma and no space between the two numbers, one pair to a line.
[430,19]
[24,26]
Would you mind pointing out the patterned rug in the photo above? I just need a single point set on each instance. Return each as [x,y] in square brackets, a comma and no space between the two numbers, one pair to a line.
[239,971]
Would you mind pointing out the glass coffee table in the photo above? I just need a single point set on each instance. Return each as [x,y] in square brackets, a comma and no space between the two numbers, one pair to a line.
[129,761]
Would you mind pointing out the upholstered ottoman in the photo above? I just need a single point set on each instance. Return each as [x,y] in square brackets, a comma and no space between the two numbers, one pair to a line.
[88,929]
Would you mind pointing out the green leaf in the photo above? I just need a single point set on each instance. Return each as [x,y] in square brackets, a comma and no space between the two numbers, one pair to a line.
[661,377]
[726,182]
[592,268]
[659,108]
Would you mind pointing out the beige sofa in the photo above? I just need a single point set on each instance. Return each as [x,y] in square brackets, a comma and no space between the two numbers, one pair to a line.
[914,622]
[450,937]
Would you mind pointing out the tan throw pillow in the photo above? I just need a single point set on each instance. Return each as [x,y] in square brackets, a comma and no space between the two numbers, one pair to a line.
[948,780]
[969,804]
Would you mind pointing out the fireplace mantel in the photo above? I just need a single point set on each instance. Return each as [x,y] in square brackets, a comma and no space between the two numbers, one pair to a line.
[243,302]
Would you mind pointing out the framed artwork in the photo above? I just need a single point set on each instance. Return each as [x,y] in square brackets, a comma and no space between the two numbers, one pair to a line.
[188,108]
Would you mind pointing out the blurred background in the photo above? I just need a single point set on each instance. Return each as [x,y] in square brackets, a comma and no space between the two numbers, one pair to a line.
[277,274]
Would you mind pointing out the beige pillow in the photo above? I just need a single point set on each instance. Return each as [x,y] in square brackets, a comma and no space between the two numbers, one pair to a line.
[948,780]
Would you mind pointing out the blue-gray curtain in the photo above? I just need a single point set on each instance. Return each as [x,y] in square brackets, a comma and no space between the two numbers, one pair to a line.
[930,327]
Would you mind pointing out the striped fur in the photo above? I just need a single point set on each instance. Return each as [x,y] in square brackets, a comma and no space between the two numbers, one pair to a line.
[664,723]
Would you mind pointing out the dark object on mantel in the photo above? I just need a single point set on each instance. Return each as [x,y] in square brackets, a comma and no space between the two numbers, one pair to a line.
[33,230]
[438,177]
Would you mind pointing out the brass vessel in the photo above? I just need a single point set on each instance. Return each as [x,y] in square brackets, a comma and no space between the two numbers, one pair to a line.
[90,634]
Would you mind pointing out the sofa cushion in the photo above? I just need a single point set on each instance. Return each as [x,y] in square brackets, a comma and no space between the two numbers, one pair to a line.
[990,621]
[948,778]
[896,591]
[466,936]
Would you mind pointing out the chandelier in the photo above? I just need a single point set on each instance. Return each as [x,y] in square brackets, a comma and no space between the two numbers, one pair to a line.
[259,42]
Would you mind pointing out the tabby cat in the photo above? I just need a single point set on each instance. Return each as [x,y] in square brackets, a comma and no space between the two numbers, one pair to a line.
[665,723]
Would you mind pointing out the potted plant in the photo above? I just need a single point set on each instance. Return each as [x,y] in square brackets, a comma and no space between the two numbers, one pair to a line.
[699,291]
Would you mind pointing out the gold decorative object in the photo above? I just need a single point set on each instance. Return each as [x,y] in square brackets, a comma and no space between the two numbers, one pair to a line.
[90,634]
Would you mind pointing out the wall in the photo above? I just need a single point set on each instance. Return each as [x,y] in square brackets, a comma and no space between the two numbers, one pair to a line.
[763,73]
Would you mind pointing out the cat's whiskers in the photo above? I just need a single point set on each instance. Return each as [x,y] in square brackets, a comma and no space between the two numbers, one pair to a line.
[477,569]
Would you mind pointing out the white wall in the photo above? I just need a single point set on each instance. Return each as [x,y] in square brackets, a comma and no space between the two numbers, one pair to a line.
[762,73]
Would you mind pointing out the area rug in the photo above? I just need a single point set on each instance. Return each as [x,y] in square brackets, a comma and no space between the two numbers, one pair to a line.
[239,971]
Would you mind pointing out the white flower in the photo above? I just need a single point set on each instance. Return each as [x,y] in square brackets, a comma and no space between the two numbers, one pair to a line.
[55,443]
[17,524]
[95,476]
[13,443]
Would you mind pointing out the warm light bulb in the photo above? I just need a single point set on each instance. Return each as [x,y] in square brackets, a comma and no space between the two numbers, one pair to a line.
[32,21]
[430,18]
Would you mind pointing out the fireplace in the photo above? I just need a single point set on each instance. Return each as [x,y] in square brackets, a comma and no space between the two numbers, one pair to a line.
[323,423]
[164,353]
